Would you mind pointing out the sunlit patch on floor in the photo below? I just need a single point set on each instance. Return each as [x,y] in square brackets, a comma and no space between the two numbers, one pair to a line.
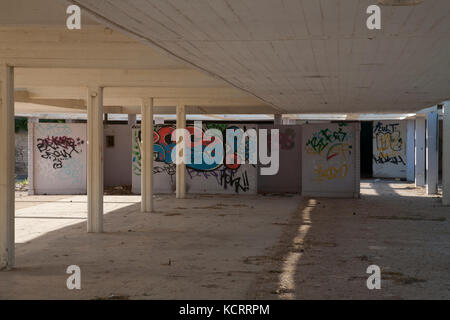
[286,280]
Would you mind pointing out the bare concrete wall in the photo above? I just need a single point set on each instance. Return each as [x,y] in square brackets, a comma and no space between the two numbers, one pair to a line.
[389,149]
[60,158]
[21,154]
[289,175]
[117,166]
[211,179]
[330,160]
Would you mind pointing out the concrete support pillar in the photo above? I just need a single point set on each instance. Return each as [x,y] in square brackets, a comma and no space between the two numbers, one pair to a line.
[410,150]
[432,152]
[181,167]
[132,119]
[147,155]
[95,159]
[7,153]
[420,152]
[277,119]
[32,122]
[446,156]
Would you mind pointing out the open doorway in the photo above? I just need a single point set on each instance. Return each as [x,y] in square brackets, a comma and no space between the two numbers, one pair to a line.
[366,149]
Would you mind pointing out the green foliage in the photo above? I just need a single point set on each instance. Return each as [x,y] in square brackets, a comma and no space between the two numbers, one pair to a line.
[22,182]
[52,121]
[20,124]
[136,154]
[219,126]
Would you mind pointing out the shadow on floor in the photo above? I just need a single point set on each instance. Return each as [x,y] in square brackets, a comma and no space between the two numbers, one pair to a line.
[189,248]
[329,243]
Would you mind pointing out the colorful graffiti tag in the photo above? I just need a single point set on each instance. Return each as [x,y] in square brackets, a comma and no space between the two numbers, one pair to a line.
[59,158]
[388,144]
[225,174]
[58,149]
[333,149]
[136,160]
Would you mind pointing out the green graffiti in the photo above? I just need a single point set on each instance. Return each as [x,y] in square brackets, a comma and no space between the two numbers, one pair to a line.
[219,126]
[136,152]
[325,137]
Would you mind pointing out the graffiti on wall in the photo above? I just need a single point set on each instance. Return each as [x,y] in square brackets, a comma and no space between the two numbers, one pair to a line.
[58,149]
[333,148]
[60,156]
[136,160]
[388,144]
[226,175]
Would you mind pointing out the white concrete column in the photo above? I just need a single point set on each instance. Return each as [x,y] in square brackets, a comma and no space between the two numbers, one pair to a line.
[277,119]
[32,122]
[181,167]
[420,152]
[446,156]
[147,155]
[7,154]
[432,152]
[95,159]
[132,119]
[410,150]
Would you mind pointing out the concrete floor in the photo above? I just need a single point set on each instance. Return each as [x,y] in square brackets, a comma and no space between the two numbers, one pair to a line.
[235,247]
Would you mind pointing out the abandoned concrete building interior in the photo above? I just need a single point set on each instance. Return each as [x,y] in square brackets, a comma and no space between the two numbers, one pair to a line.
[88,170]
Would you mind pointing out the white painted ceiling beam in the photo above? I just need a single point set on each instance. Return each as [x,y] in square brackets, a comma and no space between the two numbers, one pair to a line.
[25,104]
[91,47]
[31,108]
[78,77]
[137,92]
[23,96]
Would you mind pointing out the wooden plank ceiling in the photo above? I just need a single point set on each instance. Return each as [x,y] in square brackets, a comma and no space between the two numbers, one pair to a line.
[302,56]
